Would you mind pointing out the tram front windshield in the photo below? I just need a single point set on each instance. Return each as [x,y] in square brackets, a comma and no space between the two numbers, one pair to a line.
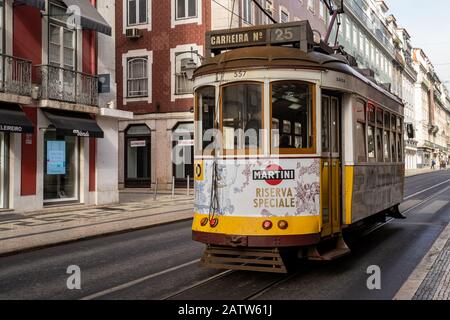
[241,117]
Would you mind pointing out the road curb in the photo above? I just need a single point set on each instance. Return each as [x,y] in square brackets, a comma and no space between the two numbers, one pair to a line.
[410,287]
[13,250]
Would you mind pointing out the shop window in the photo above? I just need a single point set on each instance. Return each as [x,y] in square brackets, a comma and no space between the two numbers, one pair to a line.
[61,163]
[292,106]
[242,109]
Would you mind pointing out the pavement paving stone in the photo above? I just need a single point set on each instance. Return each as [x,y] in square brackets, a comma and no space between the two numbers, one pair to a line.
[431,278]
[53,226]
[436,284]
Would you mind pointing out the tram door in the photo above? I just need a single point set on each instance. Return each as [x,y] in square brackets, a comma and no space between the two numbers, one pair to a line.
[331,165]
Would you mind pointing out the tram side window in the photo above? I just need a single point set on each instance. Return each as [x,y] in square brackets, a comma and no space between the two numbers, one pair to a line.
[393,147]
[206,99]
[242,116]
[292,106]
[399,140]
[387,146]
[380,154]
[325,124]
[360,112]
[380,144]
[371,134]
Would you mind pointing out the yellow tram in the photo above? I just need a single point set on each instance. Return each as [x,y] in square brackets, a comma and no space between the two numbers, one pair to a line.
[292,145]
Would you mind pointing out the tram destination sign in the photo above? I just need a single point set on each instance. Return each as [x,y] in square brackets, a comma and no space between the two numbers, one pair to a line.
[277,34]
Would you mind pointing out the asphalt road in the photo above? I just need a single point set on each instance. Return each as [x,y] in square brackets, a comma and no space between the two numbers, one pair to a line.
[162,262]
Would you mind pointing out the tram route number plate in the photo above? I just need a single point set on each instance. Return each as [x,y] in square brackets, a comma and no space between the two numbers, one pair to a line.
[285,34]
[243,37]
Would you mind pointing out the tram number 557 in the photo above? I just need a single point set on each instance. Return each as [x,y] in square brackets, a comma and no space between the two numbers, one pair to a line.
[240,74]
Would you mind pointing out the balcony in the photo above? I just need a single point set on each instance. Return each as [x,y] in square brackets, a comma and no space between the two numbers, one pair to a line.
[15,75]
[66,85]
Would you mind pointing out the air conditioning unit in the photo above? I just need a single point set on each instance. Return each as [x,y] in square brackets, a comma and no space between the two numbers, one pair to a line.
[133,33]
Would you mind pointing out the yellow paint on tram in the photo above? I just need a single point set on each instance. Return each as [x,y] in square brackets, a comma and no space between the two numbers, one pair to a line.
[252,226]
[349,174]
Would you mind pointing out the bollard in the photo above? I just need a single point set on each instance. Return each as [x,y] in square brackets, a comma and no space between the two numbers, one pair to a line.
[187,192]
[156,190]
[173,187]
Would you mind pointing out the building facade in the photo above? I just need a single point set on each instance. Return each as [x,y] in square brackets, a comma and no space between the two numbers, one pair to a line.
[403,83]
[156,42]
[363,33]
[432,111]
[58,135]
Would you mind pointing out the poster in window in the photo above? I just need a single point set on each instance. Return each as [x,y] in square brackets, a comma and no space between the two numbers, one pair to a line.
[56,157]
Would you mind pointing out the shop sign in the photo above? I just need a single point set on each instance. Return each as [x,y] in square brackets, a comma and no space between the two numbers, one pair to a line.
[80,133]
[56,157]
[185,142]
[28,138]
[138,144]
[9,128]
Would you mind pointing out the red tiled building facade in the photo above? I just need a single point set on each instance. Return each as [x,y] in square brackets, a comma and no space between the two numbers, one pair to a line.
[155,40]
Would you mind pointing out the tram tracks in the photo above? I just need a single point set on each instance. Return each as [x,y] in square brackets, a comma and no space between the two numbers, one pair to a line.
[266,285]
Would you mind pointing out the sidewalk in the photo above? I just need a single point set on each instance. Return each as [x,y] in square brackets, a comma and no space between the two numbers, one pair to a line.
[58,225]
[431,278]
[415,172]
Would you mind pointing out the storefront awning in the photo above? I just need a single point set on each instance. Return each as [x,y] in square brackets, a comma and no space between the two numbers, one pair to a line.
[13,119]
[40,4]
[89,17]
[77,124]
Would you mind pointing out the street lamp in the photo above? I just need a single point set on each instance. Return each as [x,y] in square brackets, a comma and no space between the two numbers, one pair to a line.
[189,65]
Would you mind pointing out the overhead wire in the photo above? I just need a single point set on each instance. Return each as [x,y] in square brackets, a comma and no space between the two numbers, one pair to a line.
[233,13]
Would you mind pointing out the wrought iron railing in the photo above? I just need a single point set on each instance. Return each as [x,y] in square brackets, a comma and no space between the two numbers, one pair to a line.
[15,75]
[68,85]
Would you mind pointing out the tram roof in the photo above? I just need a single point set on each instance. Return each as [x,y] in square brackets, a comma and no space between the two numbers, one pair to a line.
[279,57]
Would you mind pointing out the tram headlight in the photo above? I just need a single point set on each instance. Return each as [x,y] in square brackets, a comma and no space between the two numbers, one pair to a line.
[204,222]
[283,224]
[267,225]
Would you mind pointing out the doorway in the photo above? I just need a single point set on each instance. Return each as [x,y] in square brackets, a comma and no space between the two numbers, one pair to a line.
[137,156]
[183,154]
[331,165]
